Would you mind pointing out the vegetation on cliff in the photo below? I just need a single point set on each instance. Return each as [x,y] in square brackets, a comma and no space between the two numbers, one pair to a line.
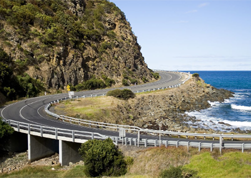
[14,86]
[5,131]
[69,42]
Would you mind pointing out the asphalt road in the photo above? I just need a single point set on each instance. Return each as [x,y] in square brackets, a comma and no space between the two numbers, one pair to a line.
[32,110]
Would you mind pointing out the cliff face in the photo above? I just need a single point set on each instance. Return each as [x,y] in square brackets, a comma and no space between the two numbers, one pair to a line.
[68,42]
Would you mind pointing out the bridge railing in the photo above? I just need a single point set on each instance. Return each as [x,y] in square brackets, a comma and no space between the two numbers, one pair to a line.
[77,136]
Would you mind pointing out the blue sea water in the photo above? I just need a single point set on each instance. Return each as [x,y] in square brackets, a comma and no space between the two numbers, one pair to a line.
[235,111]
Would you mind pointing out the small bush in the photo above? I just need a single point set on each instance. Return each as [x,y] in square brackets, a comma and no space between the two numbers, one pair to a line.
[109,82]
[144,80]
[121,94]
[196,75]
[172,172]
[102,158]
[125,82]
[178,172]
[156,75]
[133,81]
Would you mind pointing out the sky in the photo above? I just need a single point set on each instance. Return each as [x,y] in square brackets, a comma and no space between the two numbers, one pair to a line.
[188,35]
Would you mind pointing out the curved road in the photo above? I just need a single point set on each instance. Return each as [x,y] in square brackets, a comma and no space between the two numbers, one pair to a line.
[32,110]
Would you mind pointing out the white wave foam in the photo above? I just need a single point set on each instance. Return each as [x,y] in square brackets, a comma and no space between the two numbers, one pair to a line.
[238,123]
[227,101]
[243,108]
[213,122]
[215,103]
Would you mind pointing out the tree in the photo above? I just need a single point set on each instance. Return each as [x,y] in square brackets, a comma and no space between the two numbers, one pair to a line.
[5,131]
[102,158]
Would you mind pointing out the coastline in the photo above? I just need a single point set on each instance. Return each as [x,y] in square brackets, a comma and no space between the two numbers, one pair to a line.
[169,108]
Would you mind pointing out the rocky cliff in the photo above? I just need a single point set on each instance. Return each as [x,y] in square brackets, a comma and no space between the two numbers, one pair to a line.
[61,42]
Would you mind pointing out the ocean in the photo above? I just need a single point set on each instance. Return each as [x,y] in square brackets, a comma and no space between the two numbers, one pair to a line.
[234,112]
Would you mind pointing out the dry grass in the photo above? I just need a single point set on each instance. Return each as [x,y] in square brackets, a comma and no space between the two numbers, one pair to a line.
[97,108]
[152,161]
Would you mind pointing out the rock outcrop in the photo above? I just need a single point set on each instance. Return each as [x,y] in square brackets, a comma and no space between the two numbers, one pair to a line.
[168,108]
[71,41]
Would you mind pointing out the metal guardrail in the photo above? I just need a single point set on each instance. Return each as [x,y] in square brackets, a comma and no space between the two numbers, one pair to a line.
[73,135]
[52,132]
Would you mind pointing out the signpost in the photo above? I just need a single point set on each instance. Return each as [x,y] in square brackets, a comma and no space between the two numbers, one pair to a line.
[70,93]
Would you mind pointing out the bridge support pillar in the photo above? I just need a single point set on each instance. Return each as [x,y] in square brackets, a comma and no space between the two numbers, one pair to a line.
[39,147]
[68,152]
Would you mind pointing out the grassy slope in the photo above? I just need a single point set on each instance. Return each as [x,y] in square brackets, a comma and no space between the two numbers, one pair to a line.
[233,164]
[150,162]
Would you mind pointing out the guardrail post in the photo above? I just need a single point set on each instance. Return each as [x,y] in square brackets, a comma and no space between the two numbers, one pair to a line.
[130,141]
[211,148]
[116,140]
[135,142]
[177,144]
[125,141]
[29,129]
[138,137]
[93,136]
[41,131]
[73,136]
[220,140]
[188,145]
[56,133]
[155,143]
[242,149]
[145,142]
[199,146]
[166,143]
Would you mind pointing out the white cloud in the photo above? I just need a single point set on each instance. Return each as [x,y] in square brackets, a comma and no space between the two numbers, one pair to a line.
[192,11]
[203,5]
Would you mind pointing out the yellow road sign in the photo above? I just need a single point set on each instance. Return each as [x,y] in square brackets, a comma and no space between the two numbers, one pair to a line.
[68,88]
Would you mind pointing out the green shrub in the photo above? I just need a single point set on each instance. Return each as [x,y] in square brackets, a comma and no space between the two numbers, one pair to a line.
[5,131]
[172,172]
[144,79]
[156,75]
[102,158]
[133,81]
[178,172]
[109,82]
[91,84]
[196,75]
[121,94]
[125,82]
